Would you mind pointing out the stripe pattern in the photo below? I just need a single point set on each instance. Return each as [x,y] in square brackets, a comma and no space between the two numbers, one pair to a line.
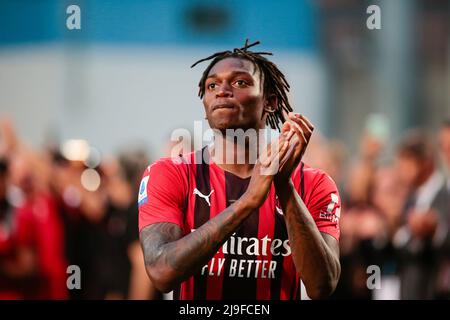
[231,272]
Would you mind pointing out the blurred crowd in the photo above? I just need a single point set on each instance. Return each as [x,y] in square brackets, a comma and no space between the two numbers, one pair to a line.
[395,214]
[65,205]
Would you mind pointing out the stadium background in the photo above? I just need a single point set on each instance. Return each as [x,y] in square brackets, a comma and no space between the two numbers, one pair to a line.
[122,84]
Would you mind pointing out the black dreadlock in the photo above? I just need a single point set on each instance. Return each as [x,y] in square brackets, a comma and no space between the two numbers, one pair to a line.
[274,81]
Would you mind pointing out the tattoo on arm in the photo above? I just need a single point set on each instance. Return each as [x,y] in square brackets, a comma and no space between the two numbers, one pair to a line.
[172,257]
[315,254]
[155,236]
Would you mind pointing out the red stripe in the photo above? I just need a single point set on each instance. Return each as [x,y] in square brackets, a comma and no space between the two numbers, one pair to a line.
[266,228]
[189,219]
[218,204]
[187,287]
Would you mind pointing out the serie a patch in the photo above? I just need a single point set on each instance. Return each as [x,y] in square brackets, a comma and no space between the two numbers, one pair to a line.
[143,197]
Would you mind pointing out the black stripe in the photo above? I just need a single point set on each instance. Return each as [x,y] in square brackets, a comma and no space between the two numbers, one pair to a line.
[280,233]
[293,293]
[201,216]
[176,293]
[302,181]
[299,288]
[234,287]
[297,295]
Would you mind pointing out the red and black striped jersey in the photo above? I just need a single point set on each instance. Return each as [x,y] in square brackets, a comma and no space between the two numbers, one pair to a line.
[255,262]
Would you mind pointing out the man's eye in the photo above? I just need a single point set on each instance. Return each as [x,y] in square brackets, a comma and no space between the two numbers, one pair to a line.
[241,83]
[211,86]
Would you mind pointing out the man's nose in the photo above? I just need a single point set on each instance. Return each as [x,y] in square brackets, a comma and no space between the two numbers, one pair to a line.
[224,91]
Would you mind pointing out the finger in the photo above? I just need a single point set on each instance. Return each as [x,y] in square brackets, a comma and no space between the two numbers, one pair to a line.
[293,143]
[308,123]
[308,128]
[284,148]
[274,164]
[290,133]
[290,151]
[264,155]
[279,146]
[270,151]
[299,132]
[299,120]
[294,116]
[286,127]
[274,159]
[267,165]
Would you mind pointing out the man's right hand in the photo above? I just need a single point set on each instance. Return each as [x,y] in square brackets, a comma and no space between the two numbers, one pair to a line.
[264,170]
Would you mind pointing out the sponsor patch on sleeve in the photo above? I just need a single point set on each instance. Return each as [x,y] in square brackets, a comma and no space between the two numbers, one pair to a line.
[143,197]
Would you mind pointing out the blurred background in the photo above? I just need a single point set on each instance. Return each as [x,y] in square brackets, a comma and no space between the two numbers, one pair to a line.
[84,111]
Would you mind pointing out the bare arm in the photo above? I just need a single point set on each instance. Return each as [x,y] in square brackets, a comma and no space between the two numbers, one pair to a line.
[315,254]
[171,258]
[141,288]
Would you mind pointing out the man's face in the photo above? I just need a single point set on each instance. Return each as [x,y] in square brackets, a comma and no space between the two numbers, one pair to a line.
[444,140]
[234,96]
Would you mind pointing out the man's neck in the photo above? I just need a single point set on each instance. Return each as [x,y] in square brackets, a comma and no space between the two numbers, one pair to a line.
[232,155]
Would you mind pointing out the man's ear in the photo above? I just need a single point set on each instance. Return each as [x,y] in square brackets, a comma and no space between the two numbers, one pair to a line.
[270,103]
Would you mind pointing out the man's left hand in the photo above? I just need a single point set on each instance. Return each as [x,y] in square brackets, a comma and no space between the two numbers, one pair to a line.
[298,130]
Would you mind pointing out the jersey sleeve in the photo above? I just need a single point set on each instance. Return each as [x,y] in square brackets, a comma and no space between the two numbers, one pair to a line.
[162,194]
[325,205]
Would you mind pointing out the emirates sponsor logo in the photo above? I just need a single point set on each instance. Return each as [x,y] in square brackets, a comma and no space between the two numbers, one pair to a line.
[256,247]
[259,267]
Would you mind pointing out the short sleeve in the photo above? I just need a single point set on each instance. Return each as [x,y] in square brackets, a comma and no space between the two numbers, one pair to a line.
[162,194]
[325,205]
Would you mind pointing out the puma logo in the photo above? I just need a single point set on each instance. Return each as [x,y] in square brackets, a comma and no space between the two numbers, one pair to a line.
[201,195]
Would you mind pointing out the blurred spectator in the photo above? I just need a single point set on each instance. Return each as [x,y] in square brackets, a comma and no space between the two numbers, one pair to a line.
[119,263]
[425,217]
[32,264]
[80,210]
[326,155]
[444,143]
[133,163]
[443,281]
[17,257]
[360,222]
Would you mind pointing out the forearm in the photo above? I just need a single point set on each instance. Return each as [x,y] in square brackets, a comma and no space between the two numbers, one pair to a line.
[314,260]
[171,262]
[140,286]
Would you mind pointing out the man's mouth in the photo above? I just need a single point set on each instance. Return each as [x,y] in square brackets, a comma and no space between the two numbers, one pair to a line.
[223,106]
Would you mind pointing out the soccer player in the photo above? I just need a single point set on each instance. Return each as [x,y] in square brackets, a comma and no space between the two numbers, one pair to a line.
[219,230]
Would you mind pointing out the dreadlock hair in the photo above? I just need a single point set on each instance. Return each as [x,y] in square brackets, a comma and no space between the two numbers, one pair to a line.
[274,81]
